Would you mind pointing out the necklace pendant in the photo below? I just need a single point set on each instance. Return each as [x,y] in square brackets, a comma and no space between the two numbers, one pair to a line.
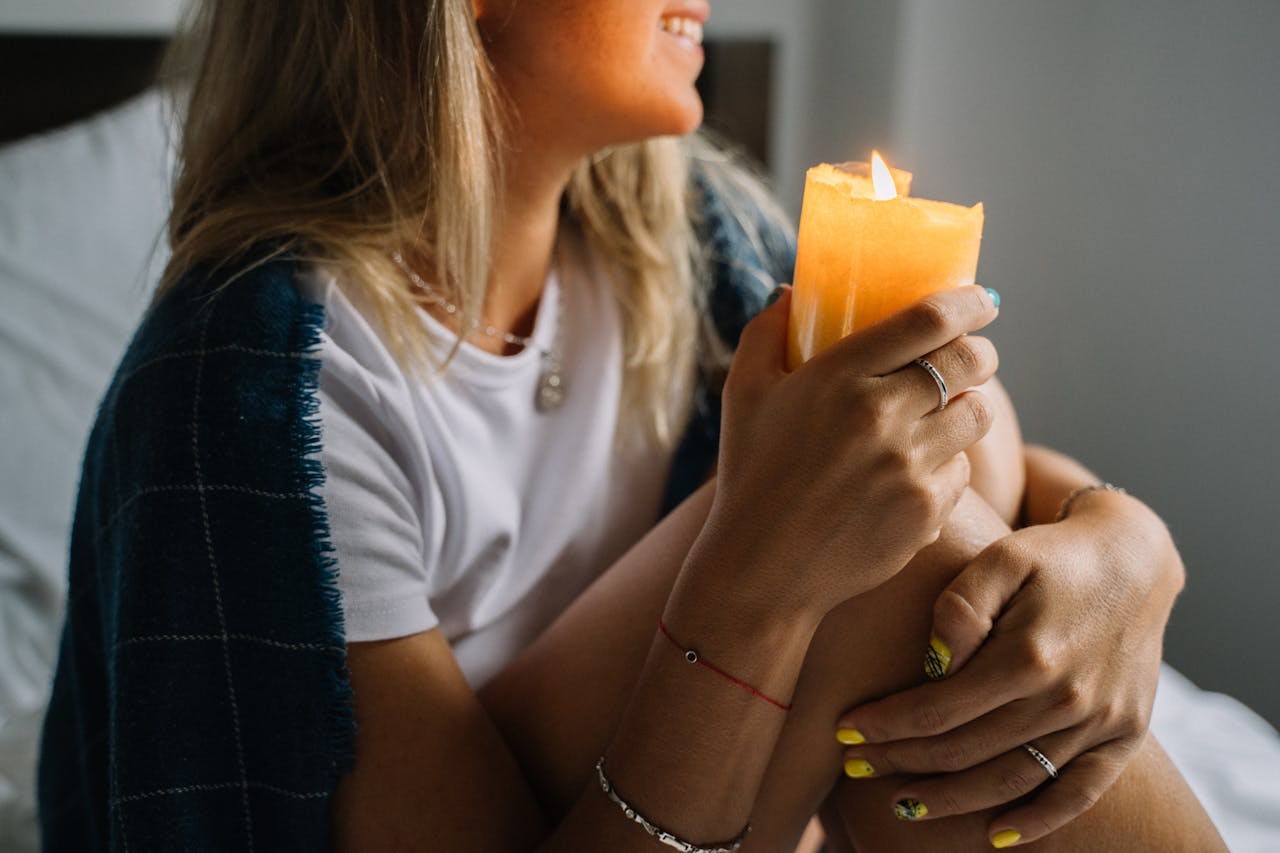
[551,387]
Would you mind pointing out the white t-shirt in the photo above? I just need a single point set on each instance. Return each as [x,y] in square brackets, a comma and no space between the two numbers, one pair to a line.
[452,500]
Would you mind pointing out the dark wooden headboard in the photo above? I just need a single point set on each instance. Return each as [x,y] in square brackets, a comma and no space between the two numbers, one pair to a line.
[49,81]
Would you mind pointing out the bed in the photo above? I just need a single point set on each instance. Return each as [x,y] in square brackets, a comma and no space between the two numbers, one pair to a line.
[82,206]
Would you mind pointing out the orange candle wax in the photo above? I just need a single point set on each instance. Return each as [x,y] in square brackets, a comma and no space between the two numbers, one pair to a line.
[866,250]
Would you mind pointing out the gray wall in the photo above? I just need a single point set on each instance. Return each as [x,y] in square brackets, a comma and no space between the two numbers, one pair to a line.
[1129,158]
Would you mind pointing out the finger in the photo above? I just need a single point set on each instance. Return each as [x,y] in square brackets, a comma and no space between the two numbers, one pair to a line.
[970,745]
[957,428]
[1078,787]
[920,328]
[951,479]
[963,363]
[966,610]
[993,679]
[1012,774]
[762,349]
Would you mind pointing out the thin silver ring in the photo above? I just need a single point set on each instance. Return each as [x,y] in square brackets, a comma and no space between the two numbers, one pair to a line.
[1042,759]
[943,397]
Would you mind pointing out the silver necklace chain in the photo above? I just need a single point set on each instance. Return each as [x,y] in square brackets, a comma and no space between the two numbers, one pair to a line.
[551,382]
[452,310]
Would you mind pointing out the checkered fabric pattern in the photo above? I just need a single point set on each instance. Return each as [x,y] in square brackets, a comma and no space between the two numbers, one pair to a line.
[200,700]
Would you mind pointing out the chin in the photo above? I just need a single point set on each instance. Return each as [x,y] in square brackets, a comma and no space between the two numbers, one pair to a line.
[691,119]
[678,118]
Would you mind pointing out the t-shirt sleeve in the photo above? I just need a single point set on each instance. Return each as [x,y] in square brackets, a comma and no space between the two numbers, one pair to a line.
[374,521]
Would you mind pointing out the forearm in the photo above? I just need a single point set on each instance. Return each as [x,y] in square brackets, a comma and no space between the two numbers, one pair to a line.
[690,754]
[1051,477]
[996,467]
[691,748]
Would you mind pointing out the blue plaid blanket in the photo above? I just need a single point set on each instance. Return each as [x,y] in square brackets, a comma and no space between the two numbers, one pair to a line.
[200,700]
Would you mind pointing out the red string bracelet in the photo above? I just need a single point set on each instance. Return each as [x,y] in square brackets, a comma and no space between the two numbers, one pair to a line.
[692,656]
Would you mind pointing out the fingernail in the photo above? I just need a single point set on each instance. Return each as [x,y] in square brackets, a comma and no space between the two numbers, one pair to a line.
[937,659]
[995,296]
[909,809]
[1006,838]
[858,768]
[777,294]
[850,737]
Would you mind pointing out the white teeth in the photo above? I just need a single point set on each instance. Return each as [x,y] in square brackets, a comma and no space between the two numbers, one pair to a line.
[686,28]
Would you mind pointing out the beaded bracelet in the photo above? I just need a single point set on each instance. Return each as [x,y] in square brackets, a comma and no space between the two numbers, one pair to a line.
[662,835]
[1084,490]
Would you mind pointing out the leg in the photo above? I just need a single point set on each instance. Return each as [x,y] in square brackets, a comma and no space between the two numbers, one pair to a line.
[1150,807]
[558,703]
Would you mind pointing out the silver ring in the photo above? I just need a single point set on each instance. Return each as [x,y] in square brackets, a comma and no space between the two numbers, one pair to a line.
[943,398]
[1042,759]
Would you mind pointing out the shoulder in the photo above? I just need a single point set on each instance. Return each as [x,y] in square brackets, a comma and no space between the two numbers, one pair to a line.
[223,359]
[738,215]
[248,308]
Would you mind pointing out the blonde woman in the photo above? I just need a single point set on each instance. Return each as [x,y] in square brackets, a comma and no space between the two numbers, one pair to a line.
[443,328]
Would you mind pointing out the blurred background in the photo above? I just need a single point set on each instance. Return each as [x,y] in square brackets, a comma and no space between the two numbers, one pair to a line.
[1128,155]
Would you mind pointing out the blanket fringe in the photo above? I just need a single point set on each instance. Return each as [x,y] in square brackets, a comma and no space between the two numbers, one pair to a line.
[307,435]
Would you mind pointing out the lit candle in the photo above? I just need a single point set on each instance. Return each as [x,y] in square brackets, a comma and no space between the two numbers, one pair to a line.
[866,250]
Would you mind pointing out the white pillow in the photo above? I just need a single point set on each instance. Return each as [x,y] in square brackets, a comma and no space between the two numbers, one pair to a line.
[82,213]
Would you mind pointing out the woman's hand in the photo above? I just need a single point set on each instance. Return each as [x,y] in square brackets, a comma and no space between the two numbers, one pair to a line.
[833,476]
[1052,636]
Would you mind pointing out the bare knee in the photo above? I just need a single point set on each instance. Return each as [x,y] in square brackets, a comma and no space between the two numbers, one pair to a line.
[869,647]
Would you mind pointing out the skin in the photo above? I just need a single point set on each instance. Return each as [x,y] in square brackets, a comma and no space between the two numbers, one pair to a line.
[632,82]
[840,604]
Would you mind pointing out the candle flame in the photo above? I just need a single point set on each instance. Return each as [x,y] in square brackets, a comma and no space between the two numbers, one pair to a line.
[881,179]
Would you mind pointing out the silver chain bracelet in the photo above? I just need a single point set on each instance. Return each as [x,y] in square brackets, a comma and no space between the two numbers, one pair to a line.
[1084,490]
[658,832]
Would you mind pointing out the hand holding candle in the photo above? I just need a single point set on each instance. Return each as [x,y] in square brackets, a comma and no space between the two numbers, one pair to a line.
[867,250]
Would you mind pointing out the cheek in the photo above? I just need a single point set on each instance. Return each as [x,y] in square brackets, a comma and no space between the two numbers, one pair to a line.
[635,86]
[604,72]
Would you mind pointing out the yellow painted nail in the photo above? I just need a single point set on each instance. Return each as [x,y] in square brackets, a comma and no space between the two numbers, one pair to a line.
[850,737]
[937,658]
[858,768]
[1007,838]
[910,809]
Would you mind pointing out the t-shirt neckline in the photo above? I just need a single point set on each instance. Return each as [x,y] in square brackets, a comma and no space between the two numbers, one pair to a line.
[490,368]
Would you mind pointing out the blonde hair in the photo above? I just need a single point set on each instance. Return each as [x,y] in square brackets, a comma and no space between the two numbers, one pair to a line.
[336,132]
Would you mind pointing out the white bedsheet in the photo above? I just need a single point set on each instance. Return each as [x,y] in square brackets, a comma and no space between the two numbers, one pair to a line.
[1229,755]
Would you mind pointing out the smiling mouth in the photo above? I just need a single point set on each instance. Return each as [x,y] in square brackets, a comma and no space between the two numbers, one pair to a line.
[687,29]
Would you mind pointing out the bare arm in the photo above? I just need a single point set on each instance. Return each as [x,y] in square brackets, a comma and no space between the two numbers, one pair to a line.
[430,765]
[996,469]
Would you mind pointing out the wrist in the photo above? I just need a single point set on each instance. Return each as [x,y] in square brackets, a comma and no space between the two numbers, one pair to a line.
[719,607]
[743,574]
[1128,526]
[1082,493]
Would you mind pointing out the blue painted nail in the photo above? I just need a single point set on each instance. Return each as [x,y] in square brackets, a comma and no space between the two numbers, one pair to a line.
[995,297]
[777,294]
